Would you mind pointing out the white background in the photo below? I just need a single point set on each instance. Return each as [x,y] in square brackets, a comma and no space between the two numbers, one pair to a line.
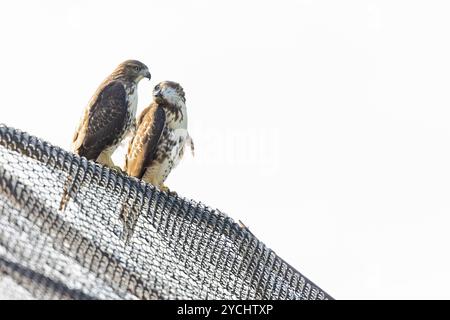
[322,125]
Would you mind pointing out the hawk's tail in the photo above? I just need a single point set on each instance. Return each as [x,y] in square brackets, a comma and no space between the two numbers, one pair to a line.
[65,197]
[129,213]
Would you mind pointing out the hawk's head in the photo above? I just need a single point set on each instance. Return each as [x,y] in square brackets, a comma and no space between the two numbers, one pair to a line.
[132,70]
[169,92]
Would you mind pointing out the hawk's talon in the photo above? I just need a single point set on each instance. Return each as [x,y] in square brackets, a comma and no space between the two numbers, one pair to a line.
[117,169]
[166,189]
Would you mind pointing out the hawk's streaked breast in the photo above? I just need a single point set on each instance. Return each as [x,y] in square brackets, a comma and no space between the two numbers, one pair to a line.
[161,136]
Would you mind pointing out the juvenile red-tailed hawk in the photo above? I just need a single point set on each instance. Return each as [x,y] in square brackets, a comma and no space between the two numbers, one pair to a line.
[161,136]
[111,113]
[109,116]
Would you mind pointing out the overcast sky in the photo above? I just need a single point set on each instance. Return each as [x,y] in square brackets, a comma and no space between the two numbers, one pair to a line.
[323,125]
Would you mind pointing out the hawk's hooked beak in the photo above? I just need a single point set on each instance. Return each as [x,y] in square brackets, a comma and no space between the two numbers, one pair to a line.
[157,93]
[148,75]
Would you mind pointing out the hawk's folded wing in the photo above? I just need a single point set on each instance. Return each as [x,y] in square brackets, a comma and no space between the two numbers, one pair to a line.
[104,121]
[142,148]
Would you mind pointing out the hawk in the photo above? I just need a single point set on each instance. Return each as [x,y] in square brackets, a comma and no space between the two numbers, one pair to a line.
[109,116]
[161,136]
[111,113]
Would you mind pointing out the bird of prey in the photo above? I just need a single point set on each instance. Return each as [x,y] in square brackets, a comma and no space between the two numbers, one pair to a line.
[161,136]
[111,113]
[109,116]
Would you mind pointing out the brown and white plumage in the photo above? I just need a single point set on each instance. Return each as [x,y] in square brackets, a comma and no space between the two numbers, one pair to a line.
[111,113]
[109,116]
[161,136]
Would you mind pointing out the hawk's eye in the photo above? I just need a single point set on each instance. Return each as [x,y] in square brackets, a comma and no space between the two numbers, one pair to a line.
[157,87]
[136,68]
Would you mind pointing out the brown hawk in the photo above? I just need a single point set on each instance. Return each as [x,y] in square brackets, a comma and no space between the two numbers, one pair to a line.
[109,116]
[161,136]
[111,113]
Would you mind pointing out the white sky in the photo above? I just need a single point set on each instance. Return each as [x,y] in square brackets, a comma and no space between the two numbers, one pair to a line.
[322,125]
